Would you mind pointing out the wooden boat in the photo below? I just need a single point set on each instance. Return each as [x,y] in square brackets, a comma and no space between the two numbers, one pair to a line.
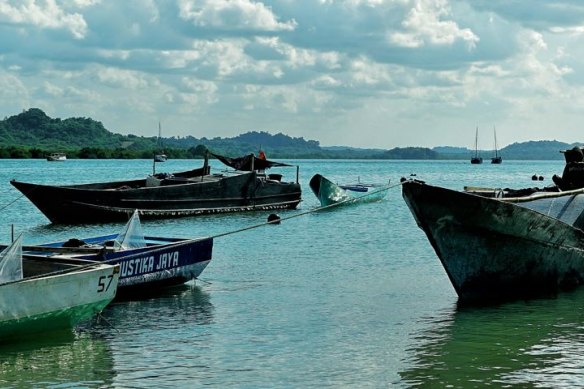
[476,159]
[329,193]
[51,295]
[502,248]
[164,195]
[497,159]
[56,157]
[146,263]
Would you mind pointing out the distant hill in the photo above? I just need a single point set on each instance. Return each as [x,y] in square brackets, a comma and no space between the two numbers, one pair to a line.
[531,150]
[32,134]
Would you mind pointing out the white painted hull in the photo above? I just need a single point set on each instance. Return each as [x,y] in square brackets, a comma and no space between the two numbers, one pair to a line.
[53,302]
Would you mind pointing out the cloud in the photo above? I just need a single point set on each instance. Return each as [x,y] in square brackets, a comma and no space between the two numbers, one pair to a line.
[43,14]
[232,15]
[361,71]
[424,24]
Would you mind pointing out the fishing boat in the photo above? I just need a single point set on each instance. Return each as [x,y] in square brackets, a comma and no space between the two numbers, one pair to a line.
[146,263]
[329,193]
[57,157]
[476,159]
[497,159]
[502,243]
[43,295]
[166,195]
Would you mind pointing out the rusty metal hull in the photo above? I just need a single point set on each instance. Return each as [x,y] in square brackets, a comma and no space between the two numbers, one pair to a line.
[494,250]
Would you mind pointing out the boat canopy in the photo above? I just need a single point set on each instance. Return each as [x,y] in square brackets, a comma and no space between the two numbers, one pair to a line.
[248,162]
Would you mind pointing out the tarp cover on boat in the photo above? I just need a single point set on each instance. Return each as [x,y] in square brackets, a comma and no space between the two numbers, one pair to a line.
[132,236]
[11,262]
[245,163]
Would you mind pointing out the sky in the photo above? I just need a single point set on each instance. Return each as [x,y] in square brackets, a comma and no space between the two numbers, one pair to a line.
[361,73]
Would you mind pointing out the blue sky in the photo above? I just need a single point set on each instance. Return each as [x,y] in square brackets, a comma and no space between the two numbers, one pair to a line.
[364,73]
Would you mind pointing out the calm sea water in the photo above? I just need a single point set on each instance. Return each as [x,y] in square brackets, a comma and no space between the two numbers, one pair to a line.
[349,297]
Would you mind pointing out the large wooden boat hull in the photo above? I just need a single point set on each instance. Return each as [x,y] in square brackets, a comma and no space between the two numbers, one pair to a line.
[179,196]
[55,302]
[163,262]
[496,250]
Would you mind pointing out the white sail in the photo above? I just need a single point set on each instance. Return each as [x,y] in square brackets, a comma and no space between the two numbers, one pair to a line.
[132,236]
[11,262]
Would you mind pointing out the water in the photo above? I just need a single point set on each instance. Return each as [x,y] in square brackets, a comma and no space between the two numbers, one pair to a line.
[350,297]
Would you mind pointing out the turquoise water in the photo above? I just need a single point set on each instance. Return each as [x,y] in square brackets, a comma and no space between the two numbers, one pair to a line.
[350,297]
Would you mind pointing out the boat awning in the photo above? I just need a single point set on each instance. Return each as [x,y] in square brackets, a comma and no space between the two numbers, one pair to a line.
[246,163]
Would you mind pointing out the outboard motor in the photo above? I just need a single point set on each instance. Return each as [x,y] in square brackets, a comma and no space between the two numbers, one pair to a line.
[573,174]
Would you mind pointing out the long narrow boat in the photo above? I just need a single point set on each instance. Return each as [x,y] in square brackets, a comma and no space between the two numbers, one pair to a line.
[51,295]
[146,263]
[502,248]
[328,193]
[163,195]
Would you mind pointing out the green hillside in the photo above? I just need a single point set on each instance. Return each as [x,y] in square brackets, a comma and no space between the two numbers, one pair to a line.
[33,134]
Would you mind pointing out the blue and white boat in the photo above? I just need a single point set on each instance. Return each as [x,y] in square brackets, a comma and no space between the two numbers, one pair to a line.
[146,263]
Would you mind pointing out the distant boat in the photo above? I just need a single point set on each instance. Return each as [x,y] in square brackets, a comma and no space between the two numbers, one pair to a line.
[46,295]
[497,158]
[160,156]
[56,157]
[475,160]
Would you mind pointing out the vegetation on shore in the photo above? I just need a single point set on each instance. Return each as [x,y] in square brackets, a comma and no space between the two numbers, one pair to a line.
[33,134]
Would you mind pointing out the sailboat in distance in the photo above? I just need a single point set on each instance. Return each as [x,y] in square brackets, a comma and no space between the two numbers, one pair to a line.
[475,160]
[159,156]
[497,158]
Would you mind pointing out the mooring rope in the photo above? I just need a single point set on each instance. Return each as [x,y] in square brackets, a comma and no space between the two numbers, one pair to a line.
[12,202]
[313,210]
[220,235]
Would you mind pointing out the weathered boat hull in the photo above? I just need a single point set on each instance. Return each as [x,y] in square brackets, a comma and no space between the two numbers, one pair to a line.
[55,302]
[494,250]
[163,262]
[180,196]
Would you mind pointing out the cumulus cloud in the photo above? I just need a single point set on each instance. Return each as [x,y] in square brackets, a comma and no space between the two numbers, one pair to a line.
[425,24]
[314,69]
[43,14]
[232,15]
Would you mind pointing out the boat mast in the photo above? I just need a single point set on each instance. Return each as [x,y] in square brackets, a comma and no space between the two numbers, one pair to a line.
[496,147]
[477,142]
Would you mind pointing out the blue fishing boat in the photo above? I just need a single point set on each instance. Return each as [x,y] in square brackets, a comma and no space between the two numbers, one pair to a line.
[146,263]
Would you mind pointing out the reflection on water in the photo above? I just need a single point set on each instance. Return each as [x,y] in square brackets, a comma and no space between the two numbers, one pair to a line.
[130,341]
[65,358]
[534,343]
[159,338]
[185,304]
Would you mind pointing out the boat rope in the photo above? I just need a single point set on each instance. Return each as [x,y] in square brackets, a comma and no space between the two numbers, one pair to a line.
[12,202]
[100,317]
[220,235]
[310,211]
